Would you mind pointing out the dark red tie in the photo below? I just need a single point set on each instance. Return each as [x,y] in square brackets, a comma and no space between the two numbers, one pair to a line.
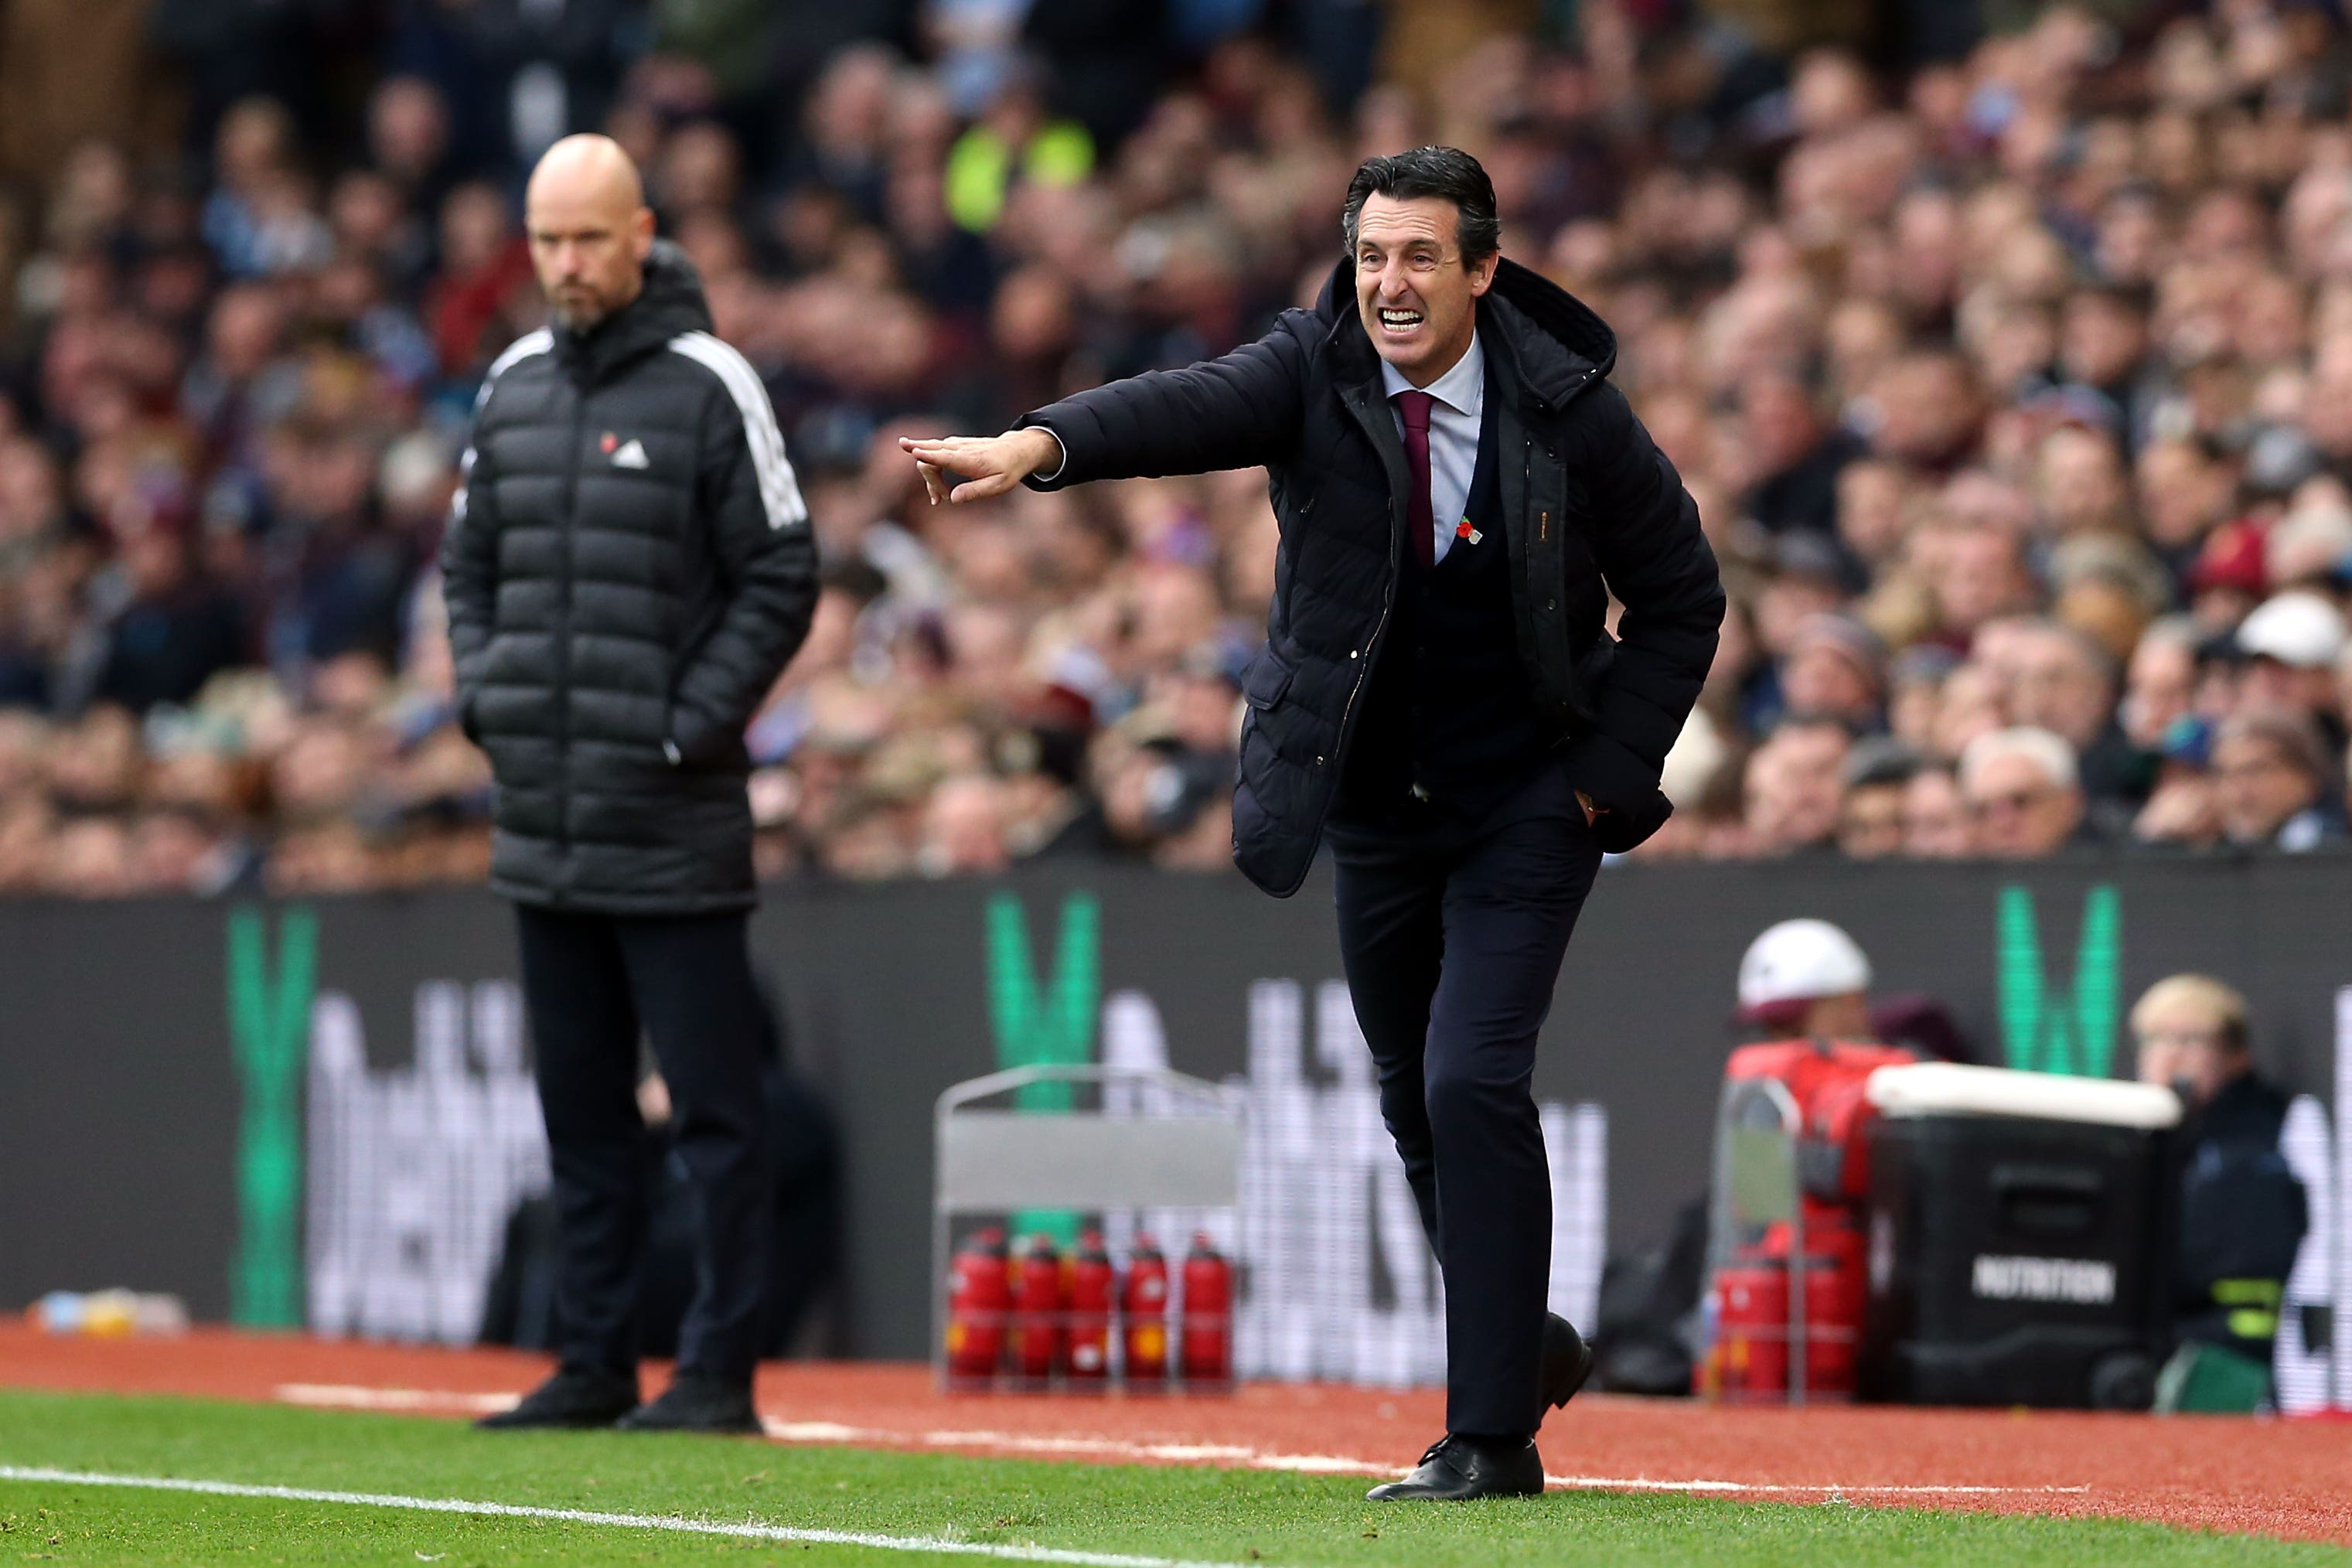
[1418,519]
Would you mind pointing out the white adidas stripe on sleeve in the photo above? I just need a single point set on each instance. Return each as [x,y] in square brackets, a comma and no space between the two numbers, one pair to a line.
[522,348]
[780,487]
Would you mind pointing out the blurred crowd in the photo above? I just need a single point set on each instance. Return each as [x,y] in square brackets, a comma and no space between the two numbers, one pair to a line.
[2020,413]
[2011,365]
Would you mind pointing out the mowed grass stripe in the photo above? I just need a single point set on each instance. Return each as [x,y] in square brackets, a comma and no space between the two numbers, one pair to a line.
[1080,1512]
[1099,1445]
[746,1531]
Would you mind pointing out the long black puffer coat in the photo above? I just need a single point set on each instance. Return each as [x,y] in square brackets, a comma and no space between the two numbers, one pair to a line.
[628,568]
[1591,507]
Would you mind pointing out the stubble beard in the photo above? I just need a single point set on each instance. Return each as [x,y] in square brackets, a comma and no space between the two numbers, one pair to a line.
[581,318]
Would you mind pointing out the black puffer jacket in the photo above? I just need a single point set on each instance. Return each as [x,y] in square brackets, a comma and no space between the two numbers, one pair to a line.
[1590,504]
[628,569]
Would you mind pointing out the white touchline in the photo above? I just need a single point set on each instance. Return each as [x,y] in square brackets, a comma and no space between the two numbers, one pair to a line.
[746,1530]
[1619,1483]
[353,1397]
[833,1432]
[1342,1465]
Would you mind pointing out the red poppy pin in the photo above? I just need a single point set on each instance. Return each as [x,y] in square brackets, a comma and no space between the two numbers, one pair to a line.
[1464,530]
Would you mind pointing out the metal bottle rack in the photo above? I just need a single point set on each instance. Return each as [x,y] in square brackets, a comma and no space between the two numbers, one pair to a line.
[992,1159]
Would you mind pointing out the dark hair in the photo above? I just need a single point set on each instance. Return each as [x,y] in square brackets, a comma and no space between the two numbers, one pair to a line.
[2295,739]
[1880,760]
[1447,172]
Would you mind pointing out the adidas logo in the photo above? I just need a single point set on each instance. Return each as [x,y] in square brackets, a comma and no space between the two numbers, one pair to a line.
[632,456]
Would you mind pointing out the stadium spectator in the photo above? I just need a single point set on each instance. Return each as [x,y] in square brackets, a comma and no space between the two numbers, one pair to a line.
[963,828]
[2160,687]
[1878,774]
[2024,794]
[2291,645]
[1796,785]
[1797,458]
[1975,572]
[1924,367]
[1835,669]
[1936,817]
[2183,809]
[174,630]
[2274,783]
[2061,680]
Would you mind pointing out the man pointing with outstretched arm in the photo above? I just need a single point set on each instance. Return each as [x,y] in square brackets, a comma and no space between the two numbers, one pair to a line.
[1460,490]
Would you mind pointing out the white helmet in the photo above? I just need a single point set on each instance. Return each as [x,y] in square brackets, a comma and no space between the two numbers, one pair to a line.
[1801,960]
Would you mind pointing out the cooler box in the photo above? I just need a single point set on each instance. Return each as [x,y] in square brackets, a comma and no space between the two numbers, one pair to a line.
[2019,1235]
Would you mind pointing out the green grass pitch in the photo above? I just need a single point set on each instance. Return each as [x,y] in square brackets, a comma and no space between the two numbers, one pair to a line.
[1203,1516]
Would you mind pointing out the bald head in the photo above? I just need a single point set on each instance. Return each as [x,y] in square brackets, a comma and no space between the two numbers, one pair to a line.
[587,169]
[589,229]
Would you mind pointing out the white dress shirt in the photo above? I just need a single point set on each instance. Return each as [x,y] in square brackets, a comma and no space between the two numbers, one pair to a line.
[1460,404]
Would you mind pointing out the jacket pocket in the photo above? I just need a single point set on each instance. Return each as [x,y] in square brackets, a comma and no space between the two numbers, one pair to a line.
[690,740]
[1267,680]
[1592,667]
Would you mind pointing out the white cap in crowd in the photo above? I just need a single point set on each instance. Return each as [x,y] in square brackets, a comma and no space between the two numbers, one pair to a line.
[2299,629]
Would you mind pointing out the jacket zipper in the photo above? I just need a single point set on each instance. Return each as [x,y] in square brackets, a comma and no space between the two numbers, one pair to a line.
[1380,627]
[564,623]
[1372,651]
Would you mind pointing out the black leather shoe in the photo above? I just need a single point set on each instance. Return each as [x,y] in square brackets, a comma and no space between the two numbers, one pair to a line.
[1566,1361]
[694,1403]
[1456,1469]
[574,1396]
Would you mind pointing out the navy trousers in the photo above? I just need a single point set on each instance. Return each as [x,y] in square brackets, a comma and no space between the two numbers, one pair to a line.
[1451,928]
[591,983]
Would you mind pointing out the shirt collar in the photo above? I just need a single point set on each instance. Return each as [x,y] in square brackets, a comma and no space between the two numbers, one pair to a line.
[1461,389]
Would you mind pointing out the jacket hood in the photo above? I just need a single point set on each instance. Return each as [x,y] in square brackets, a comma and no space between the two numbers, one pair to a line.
[670,302]
[1561,346]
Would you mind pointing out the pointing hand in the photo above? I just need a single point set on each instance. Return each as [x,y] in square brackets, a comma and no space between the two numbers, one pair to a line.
[988,465]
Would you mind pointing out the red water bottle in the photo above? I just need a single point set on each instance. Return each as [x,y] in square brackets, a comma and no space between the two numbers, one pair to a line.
[1208,1335]
[1144,1307]
[980,1291]
[1038,1313]
[1089,1292]
[1749,1362]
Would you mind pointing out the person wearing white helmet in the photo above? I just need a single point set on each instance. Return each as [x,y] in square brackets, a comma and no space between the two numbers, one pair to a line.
[1806,977]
